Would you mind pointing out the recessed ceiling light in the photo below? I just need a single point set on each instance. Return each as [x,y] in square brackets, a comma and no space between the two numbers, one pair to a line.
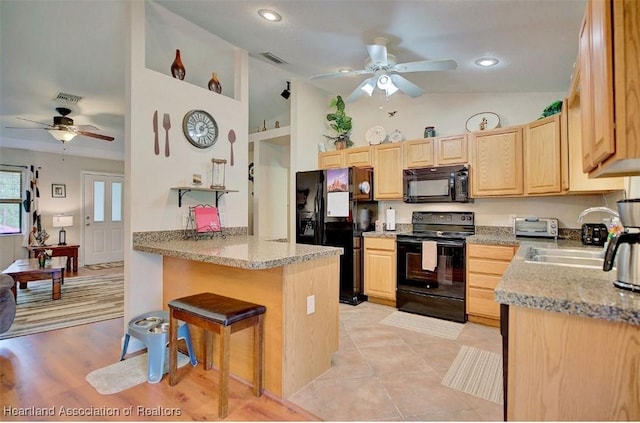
[486,62]
[344,70]
[270,15]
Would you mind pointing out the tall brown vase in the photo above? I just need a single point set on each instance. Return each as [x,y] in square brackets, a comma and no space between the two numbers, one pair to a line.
[177,68]
[214,83]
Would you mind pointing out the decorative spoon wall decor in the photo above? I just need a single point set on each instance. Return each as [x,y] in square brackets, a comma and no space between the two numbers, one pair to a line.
[232,139]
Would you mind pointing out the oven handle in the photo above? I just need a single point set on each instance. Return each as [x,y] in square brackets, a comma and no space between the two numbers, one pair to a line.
[441,242]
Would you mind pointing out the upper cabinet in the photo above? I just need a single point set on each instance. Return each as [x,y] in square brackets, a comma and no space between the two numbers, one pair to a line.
[609,64]
[356,157]
[387,174]
[438,151]
[496,162]
[542,163]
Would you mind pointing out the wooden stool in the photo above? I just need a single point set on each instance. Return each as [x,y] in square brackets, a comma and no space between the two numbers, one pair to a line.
[224,316]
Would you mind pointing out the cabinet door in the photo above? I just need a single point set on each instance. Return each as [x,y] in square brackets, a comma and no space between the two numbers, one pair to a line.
[331,159]
[358,156]
[595,45]
[452,150]
[380,268]
[542,156]
[419,153]
[387,175]
[497,162]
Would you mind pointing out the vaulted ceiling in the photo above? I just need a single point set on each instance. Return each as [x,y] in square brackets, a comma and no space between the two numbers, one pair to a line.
[76,46]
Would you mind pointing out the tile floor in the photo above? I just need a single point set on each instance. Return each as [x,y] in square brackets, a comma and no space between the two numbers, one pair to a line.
[386,373]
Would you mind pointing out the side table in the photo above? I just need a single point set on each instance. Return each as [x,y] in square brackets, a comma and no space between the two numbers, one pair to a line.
[68,251]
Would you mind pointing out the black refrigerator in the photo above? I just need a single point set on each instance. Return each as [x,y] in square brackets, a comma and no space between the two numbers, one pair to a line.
[333,208]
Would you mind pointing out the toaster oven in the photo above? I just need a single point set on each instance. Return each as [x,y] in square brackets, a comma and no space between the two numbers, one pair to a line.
[536,227]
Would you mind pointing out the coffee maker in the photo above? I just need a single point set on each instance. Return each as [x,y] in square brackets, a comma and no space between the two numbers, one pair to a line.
[624,247]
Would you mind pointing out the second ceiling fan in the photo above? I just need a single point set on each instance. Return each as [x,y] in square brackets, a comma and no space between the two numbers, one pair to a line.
[386,70]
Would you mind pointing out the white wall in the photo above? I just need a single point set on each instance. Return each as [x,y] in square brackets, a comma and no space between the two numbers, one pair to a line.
[54,169]
[151,204]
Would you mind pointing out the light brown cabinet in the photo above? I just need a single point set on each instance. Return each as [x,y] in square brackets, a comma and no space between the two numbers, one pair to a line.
[331,159]
[609,61]
[348,157]
[564,367]
[542,161]
[438,151]
[380,270]
[496,158]
[485,266]
[387,175]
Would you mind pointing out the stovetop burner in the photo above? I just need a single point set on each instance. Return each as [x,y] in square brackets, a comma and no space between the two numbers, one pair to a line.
[451,225]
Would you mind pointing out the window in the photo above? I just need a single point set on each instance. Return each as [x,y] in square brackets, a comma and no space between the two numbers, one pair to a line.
[10,202]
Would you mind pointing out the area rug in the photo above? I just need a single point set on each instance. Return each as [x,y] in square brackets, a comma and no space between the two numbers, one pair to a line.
[126,374]
[424,324]
[85,299]
[476,372]
[101,266]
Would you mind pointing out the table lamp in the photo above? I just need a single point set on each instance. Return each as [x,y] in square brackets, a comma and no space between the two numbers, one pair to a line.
[62,222]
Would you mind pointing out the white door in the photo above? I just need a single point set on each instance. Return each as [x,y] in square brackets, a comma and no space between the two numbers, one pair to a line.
[103,214]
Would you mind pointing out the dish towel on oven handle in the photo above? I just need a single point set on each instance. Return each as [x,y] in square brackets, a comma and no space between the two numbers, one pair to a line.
[429,255]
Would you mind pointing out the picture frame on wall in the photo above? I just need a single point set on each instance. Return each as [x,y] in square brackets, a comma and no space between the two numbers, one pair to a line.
[58,190]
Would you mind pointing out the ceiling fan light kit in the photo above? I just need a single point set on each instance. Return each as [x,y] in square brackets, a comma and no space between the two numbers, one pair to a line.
[386,69]
[62,135]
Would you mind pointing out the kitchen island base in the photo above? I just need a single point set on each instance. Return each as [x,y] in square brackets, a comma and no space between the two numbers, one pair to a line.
[298,346]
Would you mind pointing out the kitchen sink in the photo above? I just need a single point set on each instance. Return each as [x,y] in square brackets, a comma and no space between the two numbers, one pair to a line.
[566,257]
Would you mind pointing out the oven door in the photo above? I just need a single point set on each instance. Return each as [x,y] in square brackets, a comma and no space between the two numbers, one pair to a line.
[438,293]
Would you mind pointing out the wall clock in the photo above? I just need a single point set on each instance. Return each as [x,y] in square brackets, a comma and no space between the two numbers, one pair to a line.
[251,171]
[200,128]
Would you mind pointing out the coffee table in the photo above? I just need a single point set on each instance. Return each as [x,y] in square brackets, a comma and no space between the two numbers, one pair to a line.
[28,270]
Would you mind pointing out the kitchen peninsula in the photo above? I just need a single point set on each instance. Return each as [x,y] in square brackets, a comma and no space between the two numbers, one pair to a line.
[297,283]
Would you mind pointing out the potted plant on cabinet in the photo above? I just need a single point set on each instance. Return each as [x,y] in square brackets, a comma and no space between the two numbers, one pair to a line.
[341,123]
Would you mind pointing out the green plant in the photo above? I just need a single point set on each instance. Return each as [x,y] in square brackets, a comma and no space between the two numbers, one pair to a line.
[340,122]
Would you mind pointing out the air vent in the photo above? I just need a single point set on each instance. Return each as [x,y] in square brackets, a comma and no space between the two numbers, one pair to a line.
[272,57]
[69,98]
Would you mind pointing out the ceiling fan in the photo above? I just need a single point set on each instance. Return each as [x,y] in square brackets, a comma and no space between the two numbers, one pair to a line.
[386,70]
[63,129]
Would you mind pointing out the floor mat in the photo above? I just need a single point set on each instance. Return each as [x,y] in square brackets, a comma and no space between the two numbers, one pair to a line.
[101,266]
[126,374]
[476,372]
[424,324]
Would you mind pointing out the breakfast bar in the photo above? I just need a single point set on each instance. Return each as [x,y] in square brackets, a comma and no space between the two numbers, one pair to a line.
[298,285]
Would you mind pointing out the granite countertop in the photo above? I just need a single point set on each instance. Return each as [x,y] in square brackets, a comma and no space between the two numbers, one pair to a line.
[242,251]
[573,290]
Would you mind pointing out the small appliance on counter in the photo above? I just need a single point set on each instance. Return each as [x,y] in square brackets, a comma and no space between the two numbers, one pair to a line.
[624,247]
[535,227]
[594,234]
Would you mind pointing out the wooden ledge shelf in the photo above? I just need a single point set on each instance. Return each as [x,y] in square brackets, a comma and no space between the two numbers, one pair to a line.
[183,190]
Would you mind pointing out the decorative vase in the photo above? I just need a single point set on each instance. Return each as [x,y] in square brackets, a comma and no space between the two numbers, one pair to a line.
[42,258]
[341,145]
[177,68]
[214,83]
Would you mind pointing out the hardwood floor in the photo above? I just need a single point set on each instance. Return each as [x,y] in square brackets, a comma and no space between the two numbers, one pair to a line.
[48,370]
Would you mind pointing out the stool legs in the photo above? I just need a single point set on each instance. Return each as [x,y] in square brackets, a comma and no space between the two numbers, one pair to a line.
[224,364]
[173,348]
[258,357]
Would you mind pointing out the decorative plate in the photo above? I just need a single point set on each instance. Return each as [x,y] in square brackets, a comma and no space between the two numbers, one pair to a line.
[482,121]
[375,135]
[395,136]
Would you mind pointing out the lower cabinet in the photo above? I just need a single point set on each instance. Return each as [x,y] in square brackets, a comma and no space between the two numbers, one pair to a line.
[380,270]
[485,266]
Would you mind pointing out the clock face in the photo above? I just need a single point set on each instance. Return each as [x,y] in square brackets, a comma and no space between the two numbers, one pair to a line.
[200,128]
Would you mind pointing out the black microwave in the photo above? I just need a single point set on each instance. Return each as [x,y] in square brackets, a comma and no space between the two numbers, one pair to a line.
[441,184]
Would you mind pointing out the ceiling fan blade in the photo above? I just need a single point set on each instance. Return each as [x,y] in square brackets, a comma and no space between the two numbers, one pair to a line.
[94,135]
[426,65]
[378,54]
[406,86]
[334,74]
[370,82]
[35,121]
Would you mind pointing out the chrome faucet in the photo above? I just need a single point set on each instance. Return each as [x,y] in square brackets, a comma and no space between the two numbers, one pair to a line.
[597,209]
